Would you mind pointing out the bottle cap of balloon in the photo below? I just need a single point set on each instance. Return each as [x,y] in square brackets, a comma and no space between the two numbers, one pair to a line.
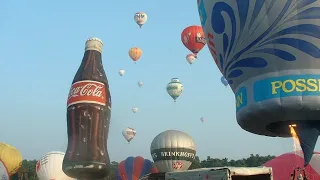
[94,44]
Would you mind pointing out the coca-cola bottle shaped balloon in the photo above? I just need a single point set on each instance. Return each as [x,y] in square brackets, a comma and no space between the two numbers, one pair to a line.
[88,117]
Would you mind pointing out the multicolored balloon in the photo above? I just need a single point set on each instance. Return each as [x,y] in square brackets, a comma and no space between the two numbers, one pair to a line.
[193,38]
[269,52]
[191,58]
[175,88]
[133,168]
[135,53]
[283,166]
[121,72]
[129,133]
[140,18]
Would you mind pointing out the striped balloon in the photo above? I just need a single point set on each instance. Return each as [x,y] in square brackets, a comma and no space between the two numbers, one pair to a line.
[134,168]
[284,165]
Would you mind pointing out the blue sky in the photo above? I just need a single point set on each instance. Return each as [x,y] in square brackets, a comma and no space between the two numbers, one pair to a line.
[42,47]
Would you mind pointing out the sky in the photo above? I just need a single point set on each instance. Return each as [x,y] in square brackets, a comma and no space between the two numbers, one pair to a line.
[42,45]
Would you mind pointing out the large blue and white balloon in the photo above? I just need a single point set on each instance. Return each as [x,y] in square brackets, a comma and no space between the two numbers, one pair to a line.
[268,50]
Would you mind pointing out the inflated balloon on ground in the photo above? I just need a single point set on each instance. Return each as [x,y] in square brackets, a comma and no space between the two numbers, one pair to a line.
[134,168]
[269,52]
[172,151]
[50,166]
[283,166]
[11,158]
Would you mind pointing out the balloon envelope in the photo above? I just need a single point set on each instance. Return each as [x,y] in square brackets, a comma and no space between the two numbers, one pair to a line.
[135,53]
[193,38]
[134,168]
[175,88]
[135,110]
[50,166]
[283,166]
[129,133]
[191,58]
[4,174]
[121,72]
[140,18]
[172,151]
[11,158]
[268,50]
[140,83]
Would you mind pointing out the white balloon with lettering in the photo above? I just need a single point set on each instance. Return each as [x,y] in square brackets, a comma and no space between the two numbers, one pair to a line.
[140,18]
[129,133]
[191,58]
[50,167]
[173,151]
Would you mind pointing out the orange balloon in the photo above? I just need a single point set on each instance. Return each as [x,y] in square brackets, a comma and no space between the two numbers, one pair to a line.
[193,38]
[135,53]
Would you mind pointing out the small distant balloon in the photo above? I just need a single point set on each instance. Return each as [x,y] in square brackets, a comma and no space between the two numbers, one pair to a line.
[175,88]
[191,58]
[129,133]
[135,109]
[140,18]
[135,53]
[140,83]
[202,119]
[224,81]
[121,72]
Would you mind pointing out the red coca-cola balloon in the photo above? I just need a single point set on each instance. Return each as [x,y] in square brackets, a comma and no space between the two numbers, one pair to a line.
[88,118]
[193,38]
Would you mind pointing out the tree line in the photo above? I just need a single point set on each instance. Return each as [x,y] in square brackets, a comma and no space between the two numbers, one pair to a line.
[28,169]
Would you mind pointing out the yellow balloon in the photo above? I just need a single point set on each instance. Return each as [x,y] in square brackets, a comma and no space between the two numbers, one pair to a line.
[11,158]
[135,53]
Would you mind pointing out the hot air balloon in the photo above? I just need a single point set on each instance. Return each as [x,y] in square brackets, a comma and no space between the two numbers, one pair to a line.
[11,158]
[191,58]
[140,18]
[224,81]
[175,88]
[129,133]
[133,168]
[121,72]
[140,83]
[202,119]
[193,38]
[269,53]
[50,166]
[283,166]
[4,174]
[135,54]
[173,151]
[135,109]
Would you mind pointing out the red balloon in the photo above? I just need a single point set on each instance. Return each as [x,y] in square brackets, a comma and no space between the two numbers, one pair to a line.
[284,165]
[193,38]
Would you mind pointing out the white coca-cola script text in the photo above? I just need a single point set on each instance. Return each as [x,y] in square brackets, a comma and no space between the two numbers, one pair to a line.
[89,89]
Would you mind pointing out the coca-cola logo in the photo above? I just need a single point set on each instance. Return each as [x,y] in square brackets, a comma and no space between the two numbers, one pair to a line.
[87,92]
[89,89]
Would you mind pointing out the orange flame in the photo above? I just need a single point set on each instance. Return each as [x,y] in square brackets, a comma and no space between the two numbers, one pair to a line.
[296,141]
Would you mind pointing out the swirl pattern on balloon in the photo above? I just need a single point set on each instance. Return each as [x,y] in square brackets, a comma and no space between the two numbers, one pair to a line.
[245,41]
